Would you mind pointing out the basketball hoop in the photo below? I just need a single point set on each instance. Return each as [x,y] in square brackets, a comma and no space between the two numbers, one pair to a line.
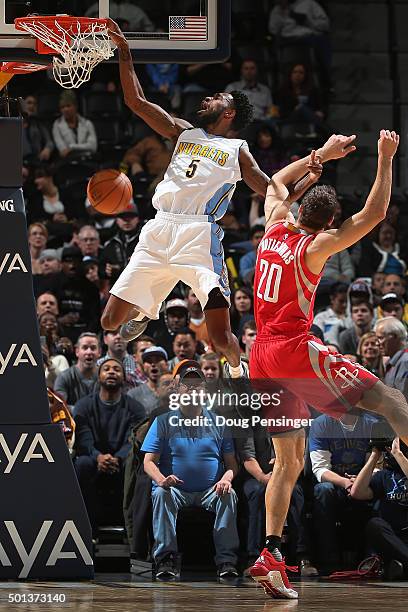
[83,42]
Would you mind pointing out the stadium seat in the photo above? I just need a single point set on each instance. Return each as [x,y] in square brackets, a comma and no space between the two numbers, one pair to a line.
[108,132]
[359,26]
[101,104]
[48,106]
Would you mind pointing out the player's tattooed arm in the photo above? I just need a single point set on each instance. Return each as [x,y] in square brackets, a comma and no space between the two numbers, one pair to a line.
[155,116]
[252,174]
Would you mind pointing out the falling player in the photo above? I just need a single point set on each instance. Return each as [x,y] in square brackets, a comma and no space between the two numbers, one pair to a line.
[183,241]
[290,261]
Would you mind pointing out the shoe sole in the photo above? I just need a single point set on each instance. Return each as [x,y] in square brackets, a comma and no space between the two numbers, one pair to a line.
[274,587]
[129,337]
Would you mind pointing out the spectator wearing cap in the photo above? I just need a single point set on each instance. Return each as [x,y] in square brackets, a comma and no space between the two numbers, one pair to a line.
[393,283]
[392,335]
[154,360]
[50,262]
[103,422]
[178,481]
[336,312]
[247,261]
[392,305]
[118,250]
[184,346]
[138,347]
[73,134]
[37,241]
[196,320]
[79,380]
[78,299]
[175,317]
[117,349]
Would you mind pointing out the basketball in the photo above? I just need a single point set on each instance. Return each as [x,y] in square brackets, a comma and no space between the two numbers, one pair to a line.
[110,191]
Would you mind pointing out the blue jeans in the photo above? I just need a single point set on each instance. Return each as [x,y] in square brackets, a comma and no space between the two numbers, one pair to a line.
[167,503]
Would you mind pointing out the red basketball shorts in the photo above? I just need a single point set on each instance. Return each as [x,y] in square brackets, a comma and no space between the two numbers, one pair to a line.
[304,372]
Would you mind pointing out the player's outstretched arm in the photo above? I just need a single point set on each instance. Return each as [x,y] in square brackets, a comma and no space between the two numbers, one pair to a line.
[155,116]
[374,211]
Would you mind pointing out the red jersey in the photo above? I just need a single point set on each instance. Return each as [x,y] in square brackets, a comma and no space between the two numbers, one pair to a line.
[284,288]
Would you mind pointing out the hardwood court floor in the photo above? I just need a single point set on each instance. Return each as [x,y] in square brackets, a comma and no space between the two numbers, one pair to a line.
[123,593]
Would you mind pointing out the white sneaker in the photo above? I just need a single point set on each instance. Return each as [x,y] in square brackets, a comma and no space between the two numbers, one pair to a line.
[133,329]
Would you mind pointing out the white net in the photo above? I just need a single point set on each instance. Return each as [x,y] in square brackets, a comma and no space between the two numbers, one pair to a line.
[80,47]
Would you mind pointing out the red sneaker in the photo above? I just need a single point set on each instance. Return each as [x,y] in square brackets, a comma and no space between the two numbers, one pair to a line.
[271,574]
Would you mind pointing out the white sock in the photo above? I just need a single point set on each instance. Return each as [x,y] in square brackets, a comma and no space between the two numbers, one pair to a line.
[236,372]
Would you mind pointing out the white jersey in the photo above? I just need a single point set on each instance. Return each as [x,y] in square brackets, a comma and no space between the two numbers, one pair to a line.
[201,176]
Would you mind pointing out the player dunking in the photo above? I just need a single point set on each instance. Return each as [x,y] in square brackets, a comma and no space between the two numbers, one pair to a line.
[290,260]
[183,241]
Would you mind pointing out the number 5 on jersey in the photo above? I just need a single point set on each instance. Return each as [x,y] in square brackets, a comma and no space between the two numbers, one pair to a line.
[271,275]
[192,169]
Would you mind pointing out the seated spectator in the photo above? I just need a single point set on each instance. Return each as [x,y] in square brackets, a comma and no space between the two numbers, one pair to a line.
[50,331]
[117,349]
[47,302]
[196,320]
[149,156]
[369,354]
[382,254]
[179,482]
[73,134]
[103,422]
[45,204]
[362,315]
[248,336]
[52,367]
[241,309]
[154,360]
[37,241]
[387,532]
[334,313]
[392,335]
[394,284]
[300,102]
[257,456]
[258,94]
[175,317]
[164,80]
[138,347]
[90,266]
[338,451]
[392,305]
[78,299]
[65,347]
[50,262]
[303,22]
[80,379]
[133,15]
[269,150]
[248,261]
[359,291]
[37,141]
[89,242]
[184,347]
[118,250]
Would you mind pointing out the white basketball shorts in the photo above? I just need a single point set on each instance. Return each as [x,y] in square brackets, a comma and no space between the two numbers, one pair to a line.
[173,248]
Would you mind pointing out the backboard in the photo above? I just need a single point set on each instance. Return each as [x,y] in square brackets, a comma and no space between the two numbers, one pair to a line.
[177,31]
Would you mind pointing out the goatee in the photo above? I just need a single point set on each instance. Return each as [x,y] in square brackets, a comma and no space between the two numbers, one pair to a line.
[206,119]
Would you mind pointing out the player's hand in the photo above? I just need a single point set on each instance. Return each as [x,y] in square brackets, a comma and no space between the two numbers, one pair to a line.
[223,486]
[315,167]
[388,144]
[337,147]
[116,33]
[170,481]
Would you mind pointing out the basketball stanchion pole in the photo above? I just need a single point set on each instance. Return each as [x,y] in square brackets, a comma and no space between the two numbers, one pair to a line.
[44,528]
